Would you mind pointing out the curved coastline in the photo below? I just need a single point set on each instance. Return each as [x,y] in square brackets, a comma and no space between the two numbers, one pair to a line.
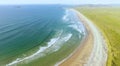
[63,39]
[96,56]
[91,52]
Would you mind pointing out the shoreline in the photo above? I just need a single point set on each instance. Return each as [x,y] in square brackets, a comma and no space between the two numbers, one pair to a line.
[94,42]
[30,58]
[99,53]
[79,48]
[82,52]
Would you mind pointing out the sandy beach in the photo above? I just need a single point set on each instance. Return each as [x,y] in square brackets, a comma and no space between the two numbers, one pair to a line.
[92,51]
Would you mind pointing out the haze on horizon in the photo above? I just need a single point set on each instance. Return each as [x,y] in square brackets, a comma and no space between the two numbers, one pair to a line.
[71,2]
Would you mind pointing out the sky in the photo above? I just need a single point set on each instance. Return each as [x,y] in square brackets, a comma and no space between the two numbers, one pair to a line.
[72,2]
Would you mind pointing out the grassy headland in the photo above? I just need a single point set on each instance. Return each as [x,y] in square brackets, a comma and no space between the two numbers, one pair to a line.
[107,19]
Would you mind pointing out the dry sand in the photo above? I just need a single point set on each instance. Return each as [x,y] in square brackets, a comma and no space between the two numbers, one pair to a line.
[92,51]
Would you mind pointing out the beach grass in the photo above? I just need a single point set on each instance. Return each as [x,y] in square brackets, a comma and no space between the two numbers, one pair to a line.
[107,19]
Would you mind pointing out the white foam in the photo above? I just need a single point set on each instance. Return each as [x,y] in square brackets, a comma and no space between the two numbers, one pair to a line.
[55,43]
[72,19]
[75,27]
[60,43]
[52,41]
[53,46]
[67,37]
[66,16]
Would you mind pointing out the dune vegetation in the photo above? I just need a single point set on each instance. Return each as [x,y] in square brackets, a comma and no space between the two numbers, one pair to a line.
[107,19]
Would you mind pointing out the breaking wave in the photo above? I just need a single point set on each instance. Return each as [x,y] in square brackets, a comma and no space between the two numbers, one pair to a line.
[73,21]
[52,46]
[69,28]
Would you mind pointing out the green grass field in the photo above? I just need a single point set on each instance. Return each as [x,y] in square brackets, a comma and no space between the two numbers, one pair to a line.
[107,19]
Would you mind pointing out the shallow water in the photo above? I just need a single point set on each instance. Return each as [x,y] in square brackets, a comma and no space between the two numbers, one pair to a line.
[47,27]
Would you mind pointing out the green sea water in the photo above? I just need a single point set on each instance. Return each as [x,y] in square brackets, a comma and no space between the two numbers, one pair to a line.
[37,35]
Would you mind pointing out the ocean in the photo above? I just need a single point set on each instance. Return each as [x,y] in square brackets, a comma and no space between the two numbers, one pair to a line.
[38,35]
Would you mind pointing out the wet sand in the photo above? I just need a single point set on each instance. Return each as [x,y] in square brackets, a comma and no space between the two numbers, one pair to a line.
[92,51]
[82,53]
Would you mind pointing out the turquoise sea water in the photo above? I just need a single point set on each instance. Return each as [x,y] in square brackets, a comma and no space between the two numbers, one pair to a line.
[29,32]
